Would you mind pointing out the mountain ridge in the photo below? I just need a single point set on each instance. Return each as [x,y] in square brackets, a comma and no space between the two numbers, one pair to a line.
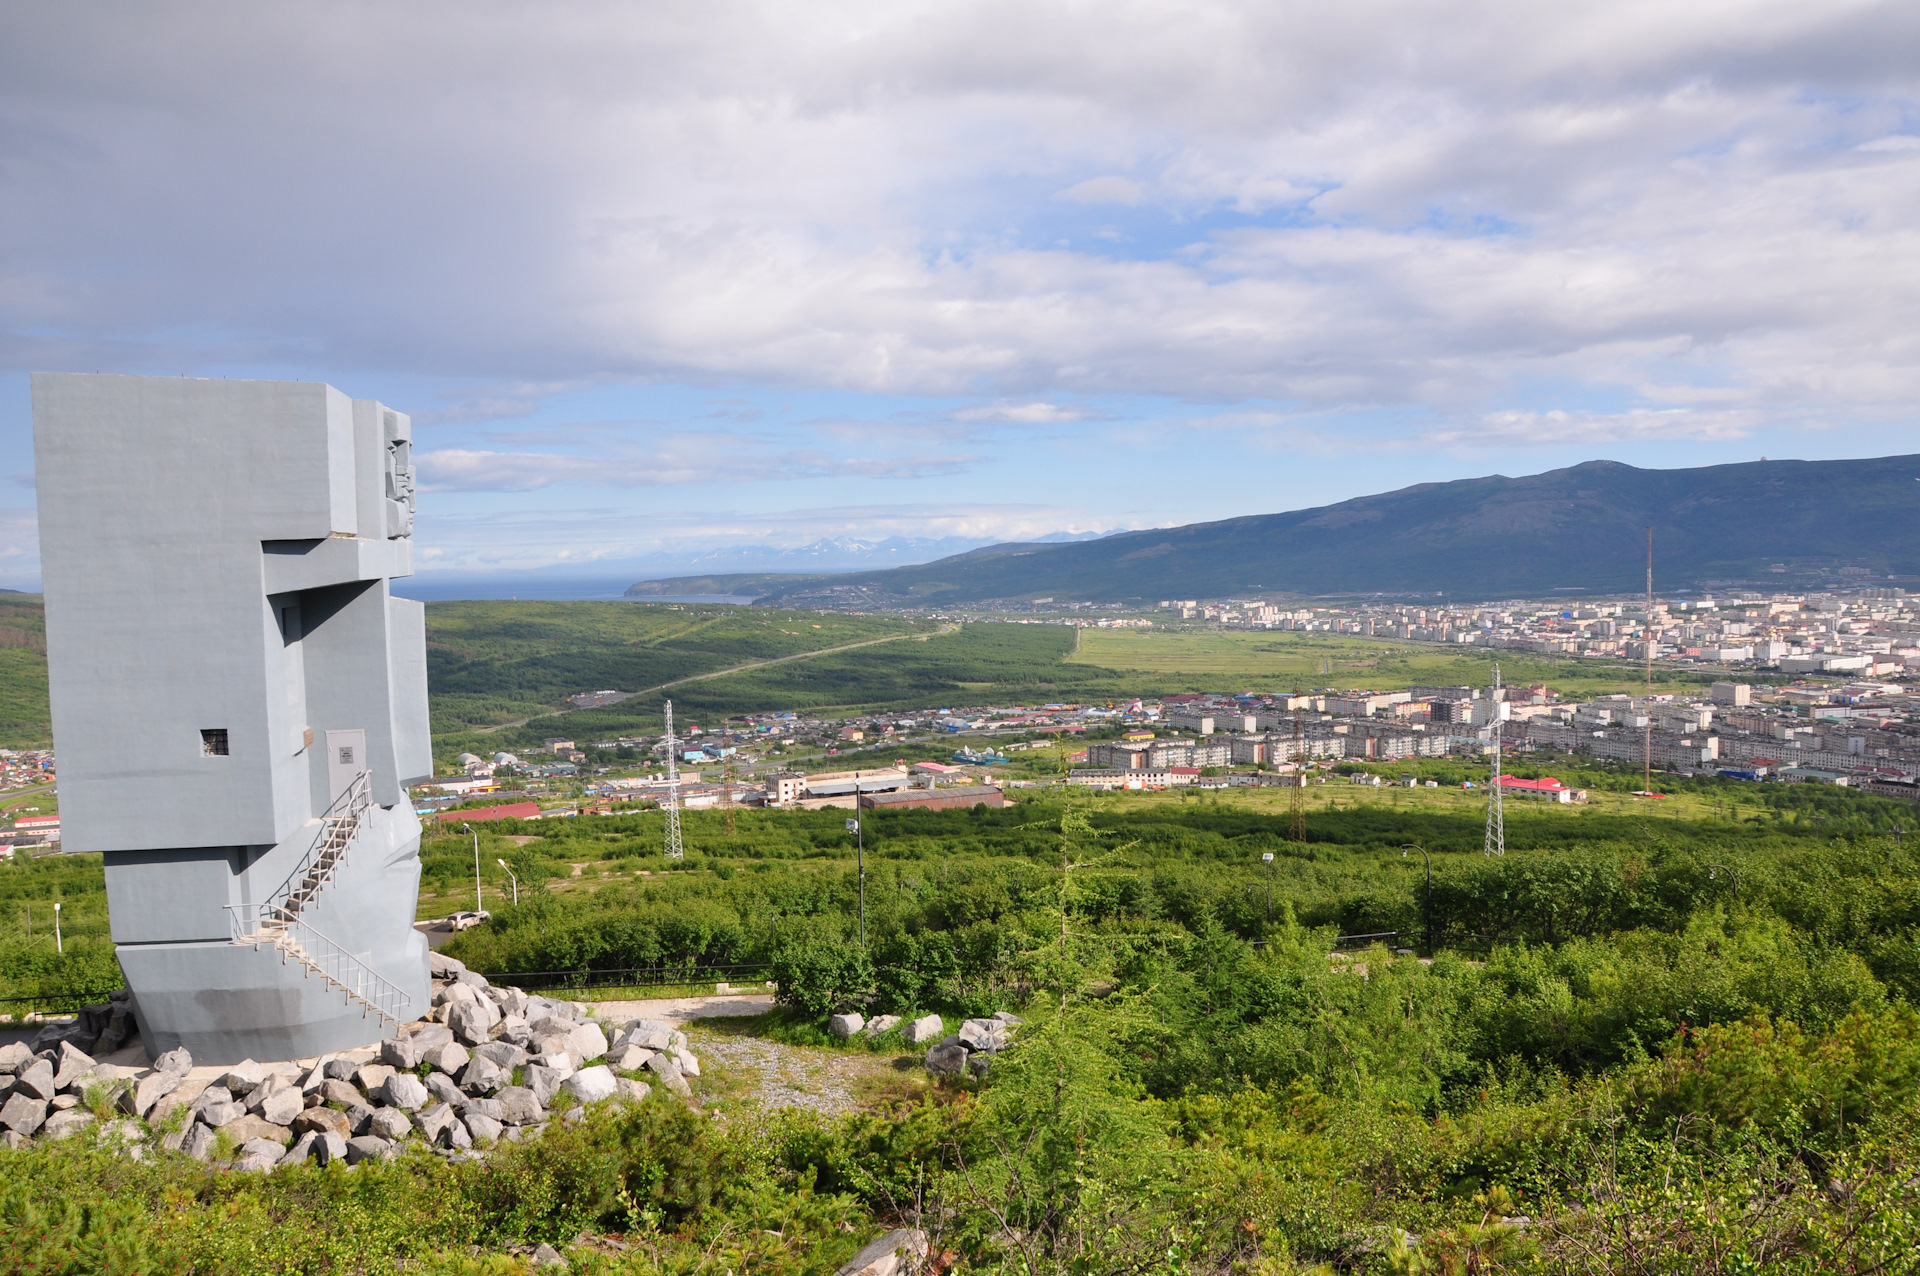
[1580,529]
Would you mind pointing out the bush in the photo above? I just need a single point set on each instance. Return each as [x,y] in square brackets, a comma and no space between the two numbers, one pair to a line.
[819,974]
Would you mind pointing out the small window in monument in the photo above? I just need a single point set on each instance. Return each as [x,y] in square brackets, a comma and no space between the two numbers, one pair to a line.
[346,755]
[213,742]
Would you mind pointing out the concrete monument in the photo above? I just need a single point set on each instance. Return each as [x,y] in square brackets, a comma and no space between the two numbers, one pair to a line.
[238,701]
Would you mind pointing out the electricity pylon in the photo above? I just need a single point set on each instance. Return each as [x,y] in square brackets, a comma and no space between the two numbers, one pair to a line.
[674,849]
[1646,756]
[1496,807]
[726,798]
[1297,803]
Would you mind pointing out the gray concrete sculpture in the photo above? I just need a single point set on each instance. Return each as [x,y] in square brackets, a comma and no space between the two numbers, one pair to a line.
[238,701]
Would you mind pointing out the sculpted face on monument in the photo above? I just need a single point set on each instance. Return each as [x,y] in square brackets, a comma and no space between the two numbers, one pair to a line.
[239,701]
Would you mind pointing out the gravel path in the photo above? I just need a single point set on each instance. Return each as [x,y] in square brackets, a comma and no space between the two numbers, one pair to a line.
[752,1069]
[682,1009]
[772,1075]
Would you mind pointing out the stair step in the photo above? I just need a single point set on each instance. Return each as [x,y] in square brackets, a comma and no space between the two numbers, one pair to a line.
[337,835]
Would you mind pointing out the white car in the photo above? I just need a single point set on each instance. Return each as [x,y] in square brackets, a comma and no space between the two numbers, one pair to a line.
[467,920]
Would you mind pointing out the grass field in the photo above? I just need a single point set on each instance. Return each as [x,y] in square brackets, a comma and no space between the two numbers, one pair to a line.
[495,662]
[1280,661]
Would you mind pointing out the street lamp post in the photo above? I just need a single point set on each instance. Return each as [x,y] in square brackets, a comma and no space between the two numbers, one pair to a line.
[1266,857]
[857,827]
[476,866]
[516,882]
[58,947]
[1429,908]
[1713,874]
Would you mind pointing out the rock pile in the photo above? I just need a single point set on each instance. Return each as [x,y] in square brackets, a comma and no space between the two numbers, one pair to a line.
[98,1029]
[488,1063]
[969,1050]
[848,1026]
[973,1047]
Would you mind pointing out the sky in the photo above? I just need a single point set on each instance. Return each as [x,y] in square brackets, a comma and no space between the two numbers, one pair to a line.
[673,285]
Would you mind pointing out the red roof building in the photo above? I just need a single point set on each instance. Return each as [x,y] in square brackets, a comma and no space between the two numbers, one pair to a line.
[512,811]
[1548,789]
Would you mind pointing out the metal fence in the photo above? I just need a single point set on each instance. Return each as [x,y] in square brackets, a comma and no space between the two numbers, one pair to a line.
[1391,938]
[52,1003]
[634,977]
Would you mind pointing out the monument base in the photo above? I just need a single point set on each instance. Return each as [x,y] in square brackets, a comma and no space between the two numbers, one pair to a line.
[227,1001]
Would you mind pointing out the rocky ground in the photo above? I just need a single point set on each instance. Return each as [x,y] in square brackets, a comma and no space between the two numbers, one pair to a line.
[755,1071]
[488,1064]
[898,1064]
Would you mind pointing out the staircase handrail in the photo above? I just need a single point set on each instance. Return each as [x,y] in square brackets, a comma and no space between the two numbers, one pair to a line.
[339,825]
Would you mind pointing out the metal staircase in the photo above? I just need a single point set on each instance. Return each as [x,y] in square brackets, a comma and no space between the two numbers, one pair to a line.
[277,924]
[339,826]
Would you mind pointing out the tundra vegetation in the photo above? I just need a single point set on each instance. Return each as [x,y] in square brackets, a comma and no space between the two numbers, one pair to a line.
[1638,1043]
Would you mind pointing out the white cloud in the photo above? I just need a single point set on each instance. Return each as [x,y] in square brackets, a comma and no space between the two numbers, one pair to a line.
[1560,429]
[494,403]
[19,549]
[711,460]
[1105,190]
[1027,413]
[1451,201]
[534,539]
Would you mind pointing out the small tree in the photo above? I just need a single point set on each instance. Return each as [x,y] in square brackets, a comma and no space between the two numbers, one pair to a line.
[1069,1154]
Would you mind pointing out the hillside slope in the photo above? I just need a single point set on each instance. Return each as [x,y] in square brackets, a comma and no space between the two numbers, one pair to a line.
[1581,529]
[25,720]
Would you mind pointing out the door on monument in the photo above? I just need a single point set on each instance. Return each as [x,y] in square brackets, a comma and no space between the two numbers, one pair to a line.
[346,759]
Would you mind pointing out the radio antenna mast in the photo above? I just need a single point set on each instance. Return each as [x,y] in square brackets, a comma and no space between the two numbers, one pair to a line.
[674,849]
[1496,808]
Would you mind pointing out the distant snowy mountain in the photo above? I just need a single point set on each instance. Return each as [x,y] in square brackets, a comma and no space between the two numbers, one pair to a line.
[753,570]
[845,553]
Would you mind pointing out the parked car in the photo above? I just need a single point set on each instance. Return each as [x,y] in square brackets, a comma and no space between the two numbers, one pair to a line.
[467,920]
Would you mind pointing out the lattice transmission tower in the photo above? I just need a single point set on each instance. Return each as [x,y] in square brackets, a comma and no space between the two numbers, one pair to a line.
[1496,807]
[1297,801]
[726,797]
[674,848]
[1646,755]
